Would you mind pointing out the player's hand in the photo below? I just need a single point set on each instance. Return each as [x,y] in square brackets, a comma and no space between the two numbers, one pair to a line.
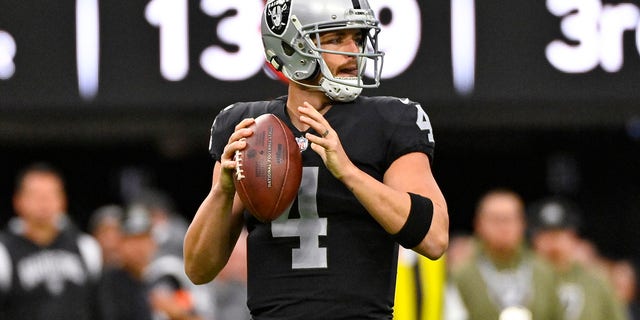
[327,144]
[228,159]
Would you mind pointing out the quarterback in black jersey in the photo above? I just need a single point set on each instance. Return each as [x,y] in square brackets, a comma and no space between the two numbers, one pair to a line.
[367,184]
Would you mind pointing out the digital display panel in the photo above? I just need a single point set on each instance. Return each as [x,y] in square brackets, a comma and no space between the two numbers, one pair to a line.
[190,54]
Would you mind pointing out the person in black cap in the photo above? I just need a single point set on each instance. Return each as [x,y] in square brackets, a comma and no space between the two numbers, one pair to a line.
[142,288]
[584,294]
[104,226]
[123,292]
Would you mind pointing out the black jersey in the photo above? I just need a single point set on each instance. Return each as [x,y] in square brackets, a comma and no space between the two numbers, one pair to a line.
[327,258]
[53,282]
[121,297]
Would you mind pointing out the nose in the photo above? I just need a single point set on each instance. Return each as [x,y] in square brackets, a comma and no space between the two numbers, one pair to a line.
[352,45]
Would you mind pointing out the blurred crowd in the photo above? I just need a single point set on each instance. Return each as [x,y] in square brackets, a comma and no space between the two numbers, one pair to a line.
[531,262]
[126,264]
[522,261]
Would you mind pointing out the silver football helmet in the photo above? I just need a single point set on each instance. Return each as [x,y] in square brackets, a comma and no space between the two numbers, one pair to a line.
[291,37]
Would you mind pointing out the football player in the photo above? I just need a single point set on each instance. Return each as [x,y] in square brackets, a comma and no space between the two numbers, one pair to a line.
[367,184]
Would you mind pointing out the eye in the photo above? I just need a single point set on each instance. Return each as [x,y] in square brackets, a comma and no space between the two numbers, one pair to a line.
[359,39]
[332,40]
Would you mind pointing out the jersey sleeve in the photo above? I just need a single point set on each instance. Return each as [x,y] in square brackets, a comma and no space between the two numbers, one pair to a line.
[226,121]
[221,129]
[412,131]
[5,271]
[91,253]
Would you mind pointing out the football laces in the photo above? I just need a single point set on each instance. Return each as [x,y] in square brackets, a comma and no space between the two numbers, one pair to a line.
[239,171]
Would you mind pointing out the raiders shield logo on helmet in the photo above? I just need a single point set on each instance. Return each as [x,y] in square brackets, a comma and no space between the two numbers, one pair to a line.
[278,15]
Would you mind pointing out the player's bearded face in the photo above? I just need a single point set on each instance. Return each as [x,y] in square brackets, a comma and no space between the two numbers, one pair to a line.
[350,41]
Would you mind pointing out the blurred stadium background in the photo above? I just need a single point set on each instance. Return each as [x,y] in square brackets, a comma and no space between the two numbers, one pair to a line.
[524,94]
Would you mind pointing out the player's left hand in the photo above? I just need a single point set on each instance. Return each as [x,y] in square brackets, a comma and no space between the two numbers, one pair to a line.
[327,144]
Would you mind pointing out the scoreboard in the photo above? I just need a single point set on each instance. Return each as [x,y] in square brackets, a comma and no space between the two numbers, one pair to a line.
[191,54]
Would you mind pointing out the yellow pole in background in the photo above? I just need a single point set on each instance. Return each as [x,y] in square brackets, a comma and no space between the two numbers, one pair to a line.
[420,285]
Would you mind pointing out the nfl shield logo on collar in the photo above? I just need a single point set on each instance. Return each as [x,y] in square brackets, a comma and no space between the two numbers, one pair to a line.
[303,143]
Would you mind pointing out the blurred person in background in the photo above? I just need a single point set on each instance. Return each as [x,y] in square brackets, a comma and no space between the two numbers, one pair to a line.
[584,294]
[104,225]
[461,249]
[230,286]
[503,279]
[127,291]
[625,281]
[166,269]
[123,292]
[168,227]
[586,253]
[48,268]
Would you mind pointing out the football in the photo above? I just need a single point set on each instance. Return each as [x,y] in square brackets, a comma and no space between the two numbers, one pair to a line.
[269,169]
